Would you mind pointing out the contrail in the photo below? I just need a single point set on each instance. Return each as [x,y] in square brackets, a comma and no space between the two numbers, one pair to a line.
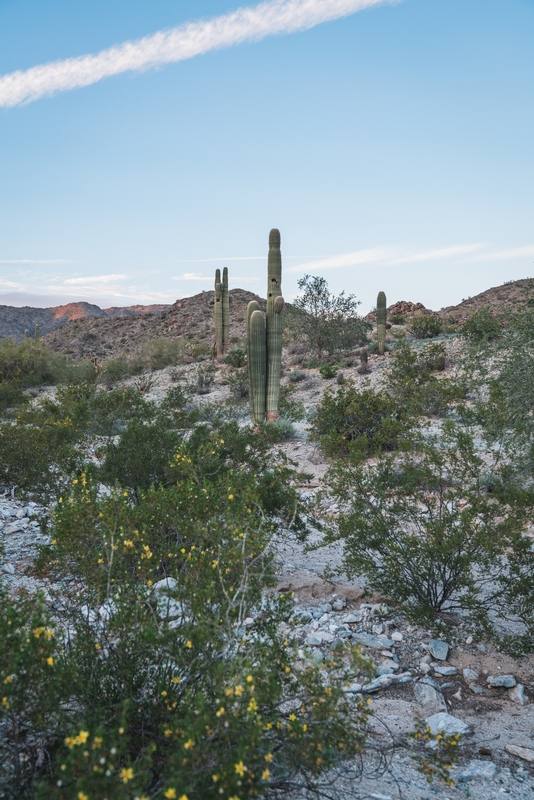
[177,44]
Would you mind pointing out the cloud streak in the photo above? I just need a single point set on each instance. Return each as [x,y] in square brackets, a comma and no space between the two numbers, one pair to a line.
[274,17]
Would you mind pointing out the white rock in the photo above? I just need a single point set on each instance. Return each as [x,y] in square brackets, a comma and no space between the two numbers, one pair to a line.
[397,636]
[469,640]
[8,568]
[424,667]
[521,752]
[428,695]
[248,622]
[517,695]
[165,584]
[438,649]
[506,681]
[478,769]
[447,724]
[353,688]
[470,675]
[444,670]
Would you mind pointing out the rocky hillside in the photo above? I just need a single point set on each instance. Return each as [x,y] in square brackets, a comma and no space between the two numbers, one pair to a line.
[512,296]
[191,317]
[14,321]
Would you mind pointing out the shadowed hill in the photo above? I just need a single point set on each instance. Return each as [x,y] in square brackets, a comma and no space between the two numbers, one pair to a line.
[190,317]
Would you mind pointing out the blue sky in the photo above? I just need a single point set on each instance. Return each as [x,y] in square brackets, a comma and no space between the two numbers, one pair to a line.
[392,147]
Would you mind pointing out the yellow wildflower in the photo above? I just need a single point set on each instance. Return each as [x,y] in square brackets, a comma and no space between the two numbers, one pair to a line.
[126,774]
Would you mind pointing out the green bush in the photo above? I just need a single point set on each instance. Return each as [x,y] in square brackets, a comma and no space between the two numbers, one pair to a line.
[410,380]
[295,376]
[429,533]
[237,380]
[426,327]
[236,358]
[328,371]
[364,422]
[159,689]
[482,326]
[397,319]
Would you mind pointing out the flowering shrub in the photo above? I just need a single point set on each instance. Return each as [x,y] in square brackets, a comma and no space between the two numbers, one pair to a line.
[149,682]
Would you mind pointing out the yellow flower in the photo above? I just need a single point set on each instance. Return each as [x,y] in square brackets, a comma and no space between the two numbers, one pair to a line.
[265,775]
[183,797]
[170,794]
[239,690]
[240,769]
[292,717]
[189,643]
[269,758]
[38,631]
[5,702]
[83,736]
[249,678]
[97,742]
[50,661]
[230,497]
[252,706]
[167,732]
[83,796]
[126,774]
[220,712]
[189,744]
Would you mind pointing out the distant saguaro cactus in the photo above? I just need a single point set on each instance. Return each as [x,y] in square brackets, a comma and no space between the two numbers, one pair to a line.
[265,341]
[381,322]
[27,334]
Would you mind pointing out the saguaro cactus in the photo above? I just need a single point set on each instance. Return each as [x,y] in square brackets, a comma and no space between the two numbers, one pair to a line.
[218,311]
[37,335]
[381,322]
[265,341]
[225,301]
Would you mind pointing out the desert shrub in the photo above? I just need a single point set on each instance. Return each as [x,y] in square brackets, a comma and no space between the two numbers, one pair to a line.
[115,369]
[372,347]
[397,319]
[238,383]
[328,371]
[159,689]
[425,327]
[141,456]
[295,376]
[30,364]
[482,326]
[204,379]
[412,383]
[290,409]
[279,430]
[326,322]
[364,422]
[236,358]
[162,352]
[426,531]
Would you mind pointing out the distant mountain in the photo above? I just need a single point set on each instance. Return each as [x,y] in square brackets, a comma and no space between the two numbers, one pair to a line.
[191,318]
[14,321]
[508,298]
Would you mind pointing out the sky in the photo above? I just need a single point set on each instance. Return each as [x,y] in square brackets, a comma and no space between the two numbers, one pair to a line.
[144,144]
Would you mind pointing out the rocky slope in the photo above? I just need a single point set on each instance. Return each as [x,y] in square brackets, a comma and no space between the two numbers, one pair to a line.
[14,321]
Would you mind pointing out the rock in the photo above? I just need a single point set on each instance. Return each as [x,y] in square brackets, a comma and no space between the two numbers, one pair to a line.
[339,642]
[428,695]
[8,568]
[517,695]
[397,636]
[470,675]
[339,604]
[326,608]
[352,617]
[445,670]
[353,688]
[478,769]
[312,640]
[469,640]
[317,656]
[425,667]
[496,681]
[379,683]
[521,752]
[438,649]
[447,724]
[384,670]
[372,641]
[14,527]
[248,622]
[166,583]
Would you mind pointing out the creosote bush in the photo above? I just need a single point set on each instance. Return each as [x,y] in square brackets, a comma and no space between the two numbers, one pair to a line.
[426,326]
[363,422]
[429,531]
[146,682]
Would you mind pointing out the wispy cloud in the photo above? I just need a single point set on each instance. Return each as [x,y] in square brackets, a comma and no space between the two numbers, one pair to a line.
[35,261]
[192,276]
[270,18]
[95,279]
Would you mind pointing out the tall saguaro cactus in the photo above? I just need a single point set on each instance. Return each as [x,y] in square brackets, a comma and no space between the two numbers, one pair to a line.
[265,341]
[218,312]
[222,312]
[225,301]
[381,322]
